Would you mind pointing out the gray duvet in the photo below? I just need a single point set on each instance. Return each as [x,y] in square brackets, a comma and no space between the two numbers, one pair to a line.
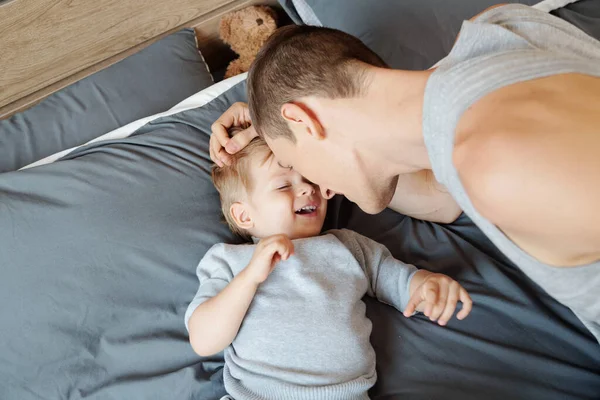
[97,265]
[98,255]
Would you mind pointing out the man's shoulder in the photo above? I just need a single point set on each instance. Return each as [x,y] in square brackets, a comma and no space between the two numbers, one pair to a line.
[492,166]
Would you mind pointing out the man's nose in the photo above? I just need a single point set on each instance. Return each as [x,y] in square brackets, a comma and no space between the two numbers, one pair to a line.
[326,193]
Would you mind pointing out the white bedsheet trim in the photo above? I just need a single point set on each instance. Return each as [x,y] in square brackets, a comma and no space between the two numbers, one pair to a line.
[551,5]
[194,101]
[306,13]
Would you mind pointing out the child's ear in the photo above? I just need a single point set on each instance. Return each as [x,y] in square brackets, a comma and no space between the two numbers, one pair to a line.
[241,216]
[304,119]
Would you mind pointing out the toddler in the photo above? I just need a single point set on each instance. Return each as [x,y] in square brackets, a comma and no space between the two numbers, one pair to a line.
[288,309]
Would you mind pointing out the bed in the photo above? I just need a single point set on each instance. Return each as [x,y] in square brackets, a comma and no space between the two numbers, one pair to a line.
[106,209]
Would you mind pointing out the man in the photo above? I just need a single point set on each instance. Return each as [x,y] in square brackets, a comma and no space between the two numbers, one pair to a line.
[507,128]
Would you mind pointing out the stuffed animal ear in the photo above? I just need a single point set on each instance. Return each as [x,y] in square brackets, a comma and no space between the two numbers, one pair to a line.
[271,12]
[225,27]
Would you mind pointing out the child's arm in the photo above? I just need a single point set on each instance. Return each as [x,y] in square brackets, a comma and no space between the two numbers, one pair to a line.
[401,285]
[215,323]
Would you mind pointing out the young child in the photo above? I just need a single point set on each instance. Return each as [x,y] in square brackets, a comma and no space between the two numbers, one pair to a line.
[288,309]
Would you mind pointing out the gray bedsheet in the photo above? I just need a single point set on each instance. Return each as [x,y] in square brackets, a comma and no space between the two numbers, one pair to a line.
[97,259]
[97,265]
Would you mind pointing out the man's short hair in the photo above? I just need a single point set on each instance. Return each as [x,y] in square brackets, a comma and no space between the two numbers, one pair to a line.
[234,182]
[299,61]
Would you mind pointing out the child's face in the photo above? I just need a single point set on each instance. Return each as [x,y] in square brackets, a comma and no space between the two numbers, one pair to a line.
[282,202]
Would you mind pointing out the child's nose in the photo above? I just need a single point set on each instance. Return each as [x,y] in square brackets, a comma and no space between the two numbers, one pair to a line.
[305,189]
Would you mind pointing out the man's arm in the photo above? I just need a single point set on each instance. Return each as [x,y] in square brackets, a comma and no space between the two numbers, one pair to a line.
[420,195]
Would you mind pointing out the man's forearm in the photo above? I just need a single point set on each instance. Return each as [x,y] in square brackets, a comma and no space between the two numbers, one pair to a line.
[420,196]
[216,322]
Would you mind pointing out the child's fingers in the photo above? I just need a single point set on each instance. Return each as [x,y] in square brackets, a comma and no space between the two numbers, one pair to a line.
[276,258]
[467,304]
[431,296]
[440,304]
[282,249]
[285,247]
[451,302]
[290,246]
[412,304]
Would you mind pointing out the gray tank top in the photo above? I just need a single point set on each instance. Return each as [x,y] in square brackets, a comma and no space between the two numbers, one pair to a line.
[506,45]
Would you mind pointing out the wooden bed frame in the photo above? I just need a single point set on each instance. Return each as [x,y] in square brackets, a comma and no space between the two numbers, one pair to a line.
[46,45]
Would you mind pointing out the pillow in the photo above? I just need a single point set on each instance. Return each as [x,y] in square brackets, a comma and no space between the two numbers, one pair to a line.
[148,82]
[408,35]
[98,253]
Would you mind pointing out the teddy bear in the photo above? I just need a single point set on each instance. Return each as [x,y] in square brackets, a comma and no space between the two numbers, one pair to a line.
[245,31]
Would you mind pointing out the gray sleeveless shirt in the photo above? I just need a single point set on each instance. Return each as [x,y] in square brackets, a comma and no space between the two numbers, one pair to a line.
[506,45]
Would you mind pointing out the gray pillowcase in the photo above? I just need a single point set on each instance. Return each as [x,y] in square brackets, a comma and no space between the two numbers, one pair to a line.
[148,82]
[406,34]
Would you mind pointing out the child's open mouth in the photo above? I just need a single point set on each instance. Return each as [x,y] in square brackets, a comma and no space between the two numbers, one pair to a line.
[307,210]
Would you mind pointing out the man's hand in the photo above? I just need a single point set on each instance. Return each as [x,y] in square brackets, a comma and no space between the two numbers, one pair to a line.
[436,295]
[268,253]
[221,144]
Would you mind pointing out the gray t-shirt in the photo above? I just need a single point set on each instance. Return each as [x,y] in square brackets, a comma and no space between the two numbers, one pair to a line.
[506,45]
[306,335]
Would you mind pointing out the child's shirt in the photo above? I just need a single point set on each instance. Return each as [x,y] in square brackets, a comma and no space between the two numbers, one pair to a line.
[306,335]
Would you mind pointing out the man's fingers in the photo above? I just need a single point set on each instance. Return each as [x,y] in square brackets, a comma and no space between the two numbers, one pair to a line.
[213,147]
[219,131]
[214,157]
[224,157]
[217,153]
[467,304]
[240,140]
[221,144]
[236,115]
[453,294]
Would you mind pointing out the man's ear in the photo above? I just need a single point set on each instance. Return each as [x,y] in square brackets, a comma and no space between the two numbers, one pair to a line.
[241,216]
[303,119]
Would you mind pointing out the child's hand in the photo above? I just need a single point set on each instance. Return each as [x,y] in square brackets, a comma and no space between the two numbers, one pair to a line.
[268,253]
[436,296]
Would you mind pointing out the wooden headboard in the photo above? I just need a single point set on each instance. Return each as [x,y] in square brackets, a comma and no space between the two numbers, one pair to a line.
[46,45]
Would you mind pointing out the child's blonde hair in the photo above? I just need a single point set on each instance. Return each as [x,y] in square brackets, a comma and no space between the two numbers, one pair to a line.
[234,182]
